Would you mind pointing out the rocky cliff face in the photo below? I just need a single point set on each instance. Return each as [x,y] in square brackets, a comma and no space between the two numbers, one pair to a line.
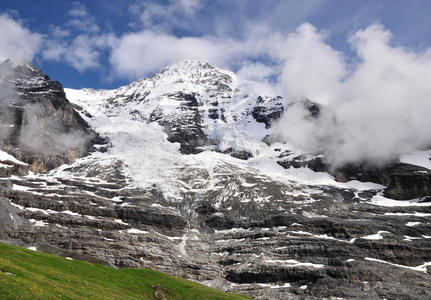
[193,183]
[39,125]
[402,181]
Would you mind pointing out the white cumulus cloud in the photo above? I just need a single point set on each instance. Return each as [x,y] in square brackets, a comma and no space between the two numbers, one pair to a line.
[374,110]
[82,53]
[17,42]
[140,53]
[153,14]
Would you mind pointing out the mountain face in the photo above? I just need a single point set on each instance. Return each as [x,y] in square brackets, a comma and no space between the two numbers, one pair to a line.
[38,124]
[182,172]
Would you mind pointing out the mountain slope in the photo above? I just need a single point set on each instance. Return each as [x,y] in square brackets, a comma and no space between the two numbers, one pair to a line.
[26,274]
[194,183]
[38,124]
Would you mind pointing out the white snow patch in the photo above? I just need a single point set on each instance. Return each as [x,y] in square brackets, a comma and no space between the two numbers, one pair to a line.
[17,187]
[411,238]
[293,263]
[358,185]
[182,246]
[136,231]
[377,236]
[416,214]
[38,223]
[286,285]
[4,156]
[127,204]
[116,199]
[232,230]
[68,212]
[34,209]
[420,268]
[380,200]
[171,238]
[418,158]
[312,191]
[119,221]
[411,224]
[318,236]
[16,205]
[309,214]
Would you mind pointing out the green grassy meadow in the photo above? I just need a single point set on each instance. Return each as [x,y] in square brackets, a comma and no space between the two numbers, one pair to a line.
[27,274]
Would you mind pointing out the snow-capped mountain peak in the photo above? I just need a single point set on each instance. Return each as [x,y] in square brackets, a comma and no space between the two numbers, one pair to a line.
[196,77]
[189,107]
[198,72]
[188,76]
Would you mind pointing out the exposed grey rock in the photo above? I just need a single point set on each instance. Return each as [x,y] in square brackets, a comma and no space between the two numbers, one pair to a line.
[260,237]
[402,181]
[268,110]
[38,124]
[184,128]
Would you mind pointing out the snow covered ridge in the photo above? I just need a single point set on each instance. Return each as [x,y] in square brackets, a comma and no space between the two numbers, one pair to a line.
[188,75]
[191,96]
[6,157]
[190,107]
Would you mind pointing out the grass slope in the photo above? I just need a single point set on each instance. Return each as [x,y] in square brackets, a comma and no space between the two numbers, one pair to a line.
[26,274]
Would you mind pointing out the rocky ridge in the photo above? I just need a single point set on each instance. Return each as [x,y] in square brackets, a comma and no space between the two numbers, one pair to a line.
[38,124]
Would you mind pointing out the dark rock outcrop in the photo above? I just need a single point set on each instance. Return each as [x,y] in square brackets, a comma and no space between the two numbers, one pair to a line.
[313,108]
[38,124]
[184,127]
[402,181]
[268,110]
[240,154]
[315,163]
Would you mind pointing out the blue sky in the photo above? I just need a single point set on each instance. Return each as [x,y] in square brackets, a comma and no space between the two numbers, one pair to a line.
[106,43]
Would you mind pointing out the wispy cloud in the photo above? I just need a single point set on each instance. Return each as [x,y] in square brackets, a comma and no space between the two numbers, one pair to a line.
[164,17]
[79,41]
[137,54]
[16,41]
[82,53]
[80,19]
